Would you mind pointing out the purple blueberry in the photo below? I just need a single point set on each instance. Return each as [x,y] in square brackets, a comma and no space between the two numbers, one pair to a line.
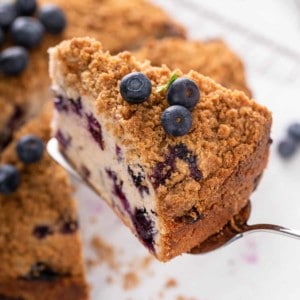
[27,32]
[184,92]
[95,130]
[30,149]
[26,7]
[41,271]
[60,104]
[144,227]
[294,131]
[85,172]
[118,189]
[42,231]
[119,153]
[76,106]
[8,13]
[63,140]
[138,179]
[164,170]
[287,148]
[13,61]
[9,179]
[176,120]
[53,18]
[135,87]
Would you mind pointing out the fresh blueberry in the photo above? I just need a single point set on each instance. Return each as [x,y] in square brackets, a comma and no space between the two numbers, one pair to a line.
[53,18]
[135,87]
[8,13]
[144,227]
[27,32]
[2,37]
[30,149]
[287,148]
[294,131]
[176,120]
[185,92]
[26,7]
[9,179]
[13,61]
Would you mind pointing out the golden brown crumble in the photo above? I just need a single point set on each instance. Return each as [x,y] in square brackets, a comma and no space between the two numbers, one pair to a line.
[211,58]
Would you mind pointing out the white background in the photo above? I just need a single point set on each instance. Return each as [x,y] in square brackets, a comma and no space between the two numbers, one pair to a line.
[266,34]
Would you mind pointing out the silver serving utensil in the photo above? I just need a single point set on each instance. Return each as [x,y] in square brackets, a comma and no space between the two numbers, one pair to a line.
[237,229]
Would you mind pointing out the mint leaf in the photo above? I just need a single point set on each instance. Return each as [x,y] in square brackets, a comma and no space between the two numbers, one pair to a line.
[164,87]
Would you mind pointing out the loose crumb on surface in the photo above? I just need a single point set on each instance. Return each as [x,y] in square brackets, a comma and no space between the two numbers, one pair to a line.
[109,280]
[130,281]
[104,252]
[171,283]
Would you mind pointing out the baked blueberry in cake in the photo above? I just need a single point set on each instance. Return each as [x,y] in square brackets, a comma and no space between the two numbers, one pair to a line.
[212,58]
[40,247]
[174,176]
[29,28]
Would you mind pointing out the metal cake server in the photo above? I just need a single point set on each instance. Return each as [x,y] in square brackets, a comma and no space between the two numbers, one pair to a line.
[236,230]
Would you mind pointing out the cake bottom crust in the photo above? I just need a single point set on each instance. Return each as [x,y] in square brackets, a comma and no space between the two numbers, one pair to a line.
[60,289]
[231,229]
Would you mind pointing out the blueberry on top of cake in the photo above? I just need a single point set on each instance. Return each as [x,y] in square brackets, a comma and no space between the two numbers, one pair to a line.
[40,247]
[173,191]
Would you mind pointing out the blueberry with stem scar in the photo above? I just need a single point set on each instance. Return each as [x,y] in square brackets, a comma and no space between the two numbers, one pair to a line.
[135,87]
[176,120]
[185,92]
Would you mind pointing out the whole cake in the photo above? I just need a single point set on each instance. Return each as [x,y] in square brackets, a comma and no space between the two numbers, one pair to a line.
[119,24]
[174,169]
[40,246]
[212,58]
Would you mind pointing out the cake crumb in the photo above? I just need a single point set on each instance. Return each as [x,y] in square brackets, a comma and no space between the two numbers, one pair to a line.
[104,252]
[180,297]
[130,281]
[146,261]
[171,283]
[109,280]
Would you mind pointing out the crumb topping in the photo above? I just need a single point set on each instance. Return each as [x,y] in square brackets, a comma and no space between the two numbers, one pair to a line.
[212,58]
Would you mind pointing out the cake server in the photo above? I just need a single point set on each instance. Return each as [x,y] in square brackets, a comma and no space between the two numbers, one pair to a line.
[238,230]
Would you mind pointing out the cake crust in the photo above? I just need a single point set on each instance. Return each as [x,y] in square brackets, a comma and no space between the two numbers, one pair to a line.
[216,164]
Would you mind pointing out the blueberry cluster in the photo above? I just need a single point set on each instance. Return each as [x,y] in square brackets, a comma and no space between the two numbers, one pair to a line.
[26,25]
[288,146]
[29,149]
[182,94]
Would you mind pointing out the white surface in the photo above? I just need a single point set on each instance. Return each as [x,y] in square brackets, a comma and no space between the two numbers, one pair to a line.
[267,35]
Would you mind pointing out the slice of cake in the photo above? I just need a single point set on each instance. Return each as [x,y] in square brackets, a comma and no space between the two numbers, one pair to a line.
[119,24]
[40,247]
[174,175]
[212,58]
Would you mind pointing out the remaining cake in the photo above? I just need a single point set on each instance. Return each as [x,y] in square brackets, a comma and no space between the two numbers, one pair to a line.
[173,192]
[119,24]
[212,58]
[40,247]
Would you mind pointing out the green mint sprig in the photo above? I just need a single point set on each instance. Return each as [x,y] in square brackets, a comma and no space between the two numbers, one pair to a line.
[164,87]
